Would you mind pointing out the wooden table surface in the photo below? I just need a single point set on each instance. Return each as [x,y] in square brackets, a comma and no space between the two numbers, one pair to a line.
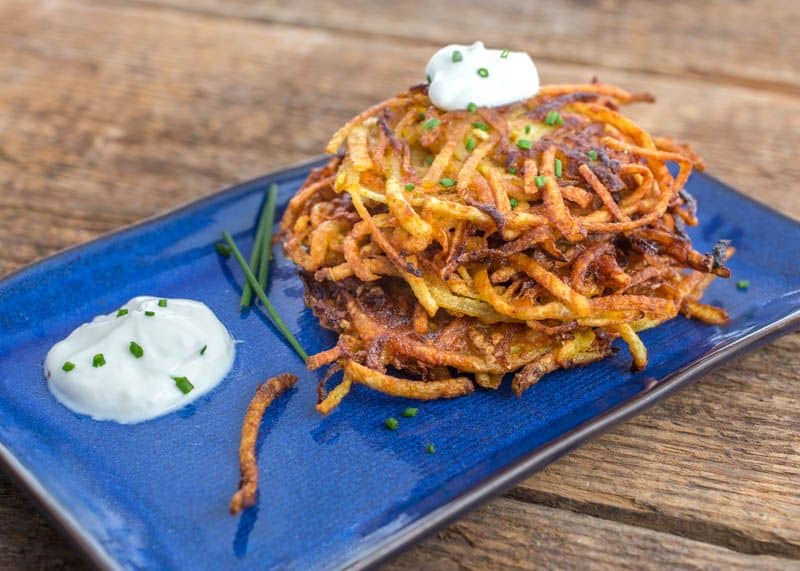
[114,110]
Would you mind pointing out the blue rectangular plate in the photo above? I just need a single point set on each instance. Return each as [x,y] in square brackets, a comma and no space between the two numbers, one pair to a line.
[340,491]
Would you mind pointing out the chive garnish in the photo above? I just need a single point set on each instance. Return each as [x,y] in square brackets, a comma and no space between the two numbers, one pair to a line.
[428,77]
[420,116]
[457,57]
[471,107]
[67,366]
[512,170]
[558,167]
[524,144]
[504,54]
[136,350]
[527,129]
[480,125]
[203,350]
[553,118]
[430,449]
[743,284]
[410,411]
[431,124]
[183,384]
[391,423]
[470,144]
[410,186]
[222,250]
[540,181]
[592,154]
[483,72]
[273,314]
[429,160]
[162,303]
[447,182]
[255,255]
[98,360]
[121,312]
[266,241]
[513,202]
[149,313]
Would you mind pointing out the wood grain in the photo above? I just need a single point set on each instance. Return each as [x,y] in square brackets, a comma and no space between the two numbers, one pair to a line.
[115,111]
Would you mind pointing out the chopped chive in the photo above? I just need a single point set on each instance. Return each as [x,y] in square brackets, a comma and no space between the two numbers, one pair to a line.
[592,154]
[553,118]
[98,360]
[391,423]
[162,303]
[429,160]
[222,249]
[410,411]
[513,202]
[183,384]
[428,77]
[457,57]
[540,181]
[273,314]
[558,168]
[430,449]
[447,182]
[470,144]
[480,125]
[471,107]
[504,54]
[255,255]
[483,72]
[149,313]
[420,116]
[266,239]
[410,186]
[512,170]
[203,350]
[527,129]
[524,144]
[136,350]
[431,124]
[121,312]
[743,284]
[68,366]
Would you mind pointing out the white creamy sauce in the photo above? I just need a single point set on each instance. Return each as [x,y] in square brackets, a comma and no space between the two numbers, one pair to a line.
[150,357]
[460,75]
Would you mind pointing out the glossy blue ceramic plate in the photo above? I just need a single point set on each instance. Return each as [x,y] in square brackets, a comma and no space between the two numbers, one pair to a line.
[340,491]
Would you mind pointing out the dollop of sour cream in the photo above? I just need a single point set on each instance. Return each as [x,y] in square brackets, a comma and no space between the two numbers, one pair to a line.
[150,357]
[460,75]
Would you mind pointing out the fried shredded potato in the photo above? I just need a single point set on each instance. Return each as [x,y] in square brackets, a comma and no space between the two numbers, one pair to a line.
[449,249]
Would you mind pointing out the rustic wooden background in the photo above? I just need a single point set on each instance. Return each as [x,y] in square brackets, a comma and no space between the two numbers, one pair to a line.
[114,110]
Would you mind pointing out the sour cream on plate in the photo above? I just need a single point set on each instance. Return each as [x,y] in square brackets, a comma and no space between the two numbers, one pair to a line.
[460,75]
[150,357]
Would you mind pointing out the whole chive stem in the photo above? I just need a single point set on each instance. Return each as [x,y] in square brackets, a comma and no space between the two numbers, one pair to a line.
[255,256]
[273,314]
[266,248]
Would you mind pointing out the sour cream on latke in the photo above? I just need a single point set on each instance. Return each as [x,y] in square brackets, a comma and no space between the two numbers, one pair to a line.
[149,357]
[460,75]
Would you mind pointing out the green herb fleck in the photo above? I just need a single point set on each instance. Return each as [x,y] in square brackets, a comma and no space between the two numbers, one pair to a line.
[410,411]
[98,360]
[203,350]
[428,77]
[743,284]
[149,313]
[447,182]
[471,107]
[527,129]
[222,249]
[457,57]
[410,186]
[391,423]
[592,154]
[480,125]
[540,181]
[504,54]
[430,449]
[483,72]
[136,350]
[553,118]
[183,384]
[429,160]
[420,116]
[513,202]
[558,168]
[68,366]
[524,144]
[470,144]
[431,124]
[162,303]
[121,312]
[512,170]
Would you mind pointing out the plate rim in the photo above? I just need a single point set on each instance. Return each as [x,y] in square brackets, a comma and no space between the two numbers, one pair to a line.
[499,481]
